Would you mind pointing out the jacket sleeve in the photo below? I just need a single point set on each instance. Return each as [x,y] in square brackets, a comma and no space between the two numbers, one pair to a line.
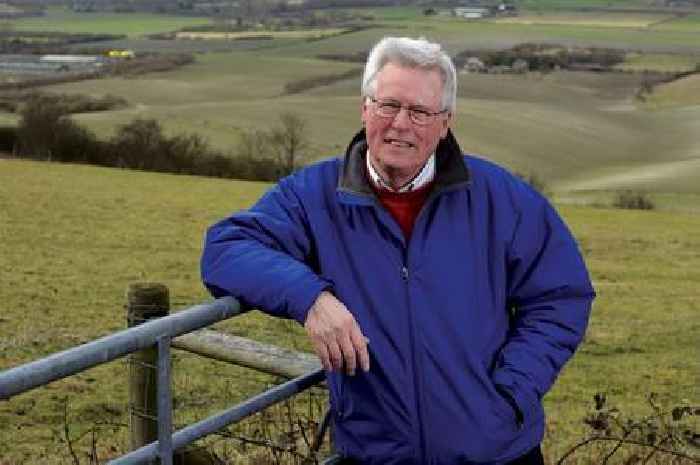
[260,256]
[550,293]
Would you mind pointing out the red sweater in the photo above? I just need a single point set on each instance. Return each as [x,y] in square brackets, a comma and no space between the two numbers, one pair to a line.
[403,206]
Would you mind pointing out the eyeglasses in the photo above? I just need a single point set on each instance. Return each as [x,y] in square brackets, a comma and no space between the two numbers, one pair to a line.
[388,108]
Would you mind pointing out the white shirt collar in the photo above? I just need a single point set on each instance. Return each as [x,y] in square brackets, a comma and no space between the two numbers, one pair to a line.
[424,176]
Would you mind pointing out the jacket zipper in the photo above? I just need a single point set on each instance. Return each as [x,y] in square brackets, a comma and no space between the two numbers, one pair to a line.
[417,390]
[417,380]
[422,452]
[422,449]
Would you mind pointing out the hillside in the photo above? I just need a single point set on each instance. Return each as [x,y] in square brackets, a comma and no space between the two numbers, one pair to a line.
[573,129]
[578,131]
[73,237]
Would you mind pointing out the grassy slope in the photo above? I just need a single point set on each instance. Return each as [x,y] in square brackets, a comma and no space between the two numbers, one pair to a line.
[134,226]
[578,131]
[568,127]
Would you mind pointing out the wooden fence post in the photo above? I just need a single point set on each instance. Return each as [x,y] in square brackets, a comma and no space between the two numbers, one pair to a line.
[144,302]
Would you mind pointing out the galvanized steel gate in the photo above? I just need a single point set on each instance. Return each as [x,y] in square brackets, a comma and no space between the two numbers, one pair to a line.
[157,332]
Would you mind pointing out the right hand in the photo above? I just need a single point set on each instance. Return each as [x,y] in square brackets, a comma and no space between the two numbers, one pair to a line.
[336,336]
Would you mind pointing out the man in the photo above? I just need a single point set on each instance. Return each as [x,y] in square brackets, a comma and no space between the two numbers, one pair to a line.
[442,294]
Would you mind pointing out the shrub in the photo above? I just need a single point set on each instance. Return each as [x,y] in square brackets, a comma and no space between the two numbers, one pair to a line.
[633,201]
[668,434]
[46,132]
[8,138]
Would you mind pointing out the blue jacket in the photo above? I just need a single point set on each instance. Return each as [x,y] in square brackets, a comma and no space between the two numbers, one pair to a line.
[469,322]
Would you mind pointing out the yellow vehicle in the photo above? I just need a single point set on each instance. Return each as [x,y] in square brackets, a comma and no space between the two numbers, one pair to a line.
[121,54]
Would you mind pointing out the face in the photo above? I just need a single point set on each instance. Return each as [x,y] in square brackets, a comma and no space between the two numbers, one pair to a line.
[399,148]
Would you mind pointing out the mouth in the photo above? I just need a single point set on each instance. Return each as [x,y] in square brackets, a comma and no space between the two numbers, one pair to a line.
[399,143]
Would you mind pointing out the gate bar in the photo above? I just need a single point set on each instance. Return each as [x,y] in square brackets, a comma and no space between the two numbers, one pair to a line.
[69,362]
[214,423]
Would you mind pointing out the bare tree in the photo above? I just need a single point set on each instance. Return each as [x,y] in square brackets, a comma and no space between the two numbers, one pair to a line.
[289,139]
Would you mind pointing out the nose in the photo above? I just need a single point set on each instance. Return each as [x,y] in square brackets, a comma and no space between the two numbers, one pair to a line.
[402,118]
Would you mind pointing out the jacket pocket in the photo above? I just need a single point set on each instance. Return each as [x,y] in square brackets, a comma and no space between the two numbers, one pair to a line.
[506,409]
[335,387]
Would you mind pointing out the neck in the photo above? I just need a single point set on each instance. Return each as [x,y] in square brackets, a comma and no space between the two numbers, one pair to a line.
[400,181]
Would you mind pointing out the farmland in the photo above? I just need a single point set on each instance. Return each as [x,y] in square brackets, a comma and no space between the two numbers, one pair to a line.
[135,226]
[299,34]
[605,129]
[73,237]
[131,24]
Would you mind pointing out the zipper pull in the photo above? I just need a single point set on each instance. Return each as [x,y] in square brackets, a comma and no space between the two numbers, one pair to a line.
[404,273]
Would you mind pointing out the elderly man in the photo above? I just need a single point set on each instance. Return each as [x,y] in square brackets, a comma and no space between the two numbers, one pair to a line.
[442,294]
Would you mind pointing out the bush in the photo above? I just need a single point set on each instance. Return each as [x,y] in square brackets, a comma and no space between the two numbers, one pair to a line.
[668,434]
[633,201]
[8,138]
[46,132]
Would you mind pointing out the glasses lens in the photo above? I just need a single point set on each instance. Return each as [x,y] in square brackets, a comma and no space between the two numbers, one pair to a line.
[390,108]
[420,117]
[387,109]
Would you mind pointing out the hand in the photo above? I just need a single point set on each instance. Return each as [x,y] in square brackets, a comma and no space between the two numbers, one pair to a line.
[335,335]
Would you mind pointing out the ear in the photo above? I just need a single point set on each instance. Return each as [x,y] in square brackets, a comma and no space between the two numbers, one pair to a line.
[364,110]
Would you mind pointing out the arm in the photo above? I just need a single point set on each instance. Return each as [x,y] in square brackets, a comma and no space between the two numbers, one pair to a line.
[261,257]
[551,294]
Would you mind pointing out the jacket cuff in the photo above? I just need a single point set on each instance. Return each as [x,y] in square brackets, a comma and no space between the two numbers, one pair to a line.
[524,400]
[303,297]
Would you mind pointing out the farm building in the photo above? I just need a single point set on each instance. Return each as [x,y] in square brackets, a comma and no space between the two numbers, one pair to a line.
[472,12]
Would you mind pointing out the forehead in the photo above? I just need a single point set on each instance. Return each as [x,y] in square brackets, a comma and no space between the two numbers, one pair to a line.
[418,86]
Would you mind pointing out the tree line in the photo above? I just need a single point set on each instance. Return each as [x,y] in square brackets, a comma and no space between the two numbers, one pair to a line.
[46,132]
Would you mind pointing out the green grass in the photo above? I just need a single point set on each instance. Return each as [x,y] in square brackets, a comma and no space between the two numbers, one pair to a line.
[567,127]
[578,131]
[681,93]
[131,24]
[546,5]
[674,63]
[689,24]
[593,19]
[73,237]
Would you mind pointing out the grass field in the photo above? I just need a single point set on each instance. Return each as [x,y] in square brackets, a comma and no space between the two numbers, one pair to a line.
[639,62]
[598,19]
[546,5]
[579,131]
[689,24]
[564,126]
[300,34]
[683,92]
[131,24]
[73,237]
[134,226]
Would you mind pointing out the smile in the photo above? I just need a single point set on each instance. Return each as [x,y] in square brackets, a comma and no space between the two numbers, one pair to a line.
[399,143]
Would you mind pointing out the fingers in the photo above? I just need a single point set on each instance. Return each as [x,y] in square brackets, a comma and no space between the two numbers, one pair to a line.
[336,356]
[322,352]
[336,336]
[360,343]
[348,349]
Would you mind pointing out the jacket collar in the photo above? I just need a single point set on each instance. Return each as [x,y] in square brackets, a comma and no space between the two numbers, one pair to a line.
[450,168]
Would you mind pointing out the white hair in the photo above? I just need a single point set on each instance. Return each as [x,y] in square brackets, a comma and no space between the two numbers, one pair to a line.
[412,53]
